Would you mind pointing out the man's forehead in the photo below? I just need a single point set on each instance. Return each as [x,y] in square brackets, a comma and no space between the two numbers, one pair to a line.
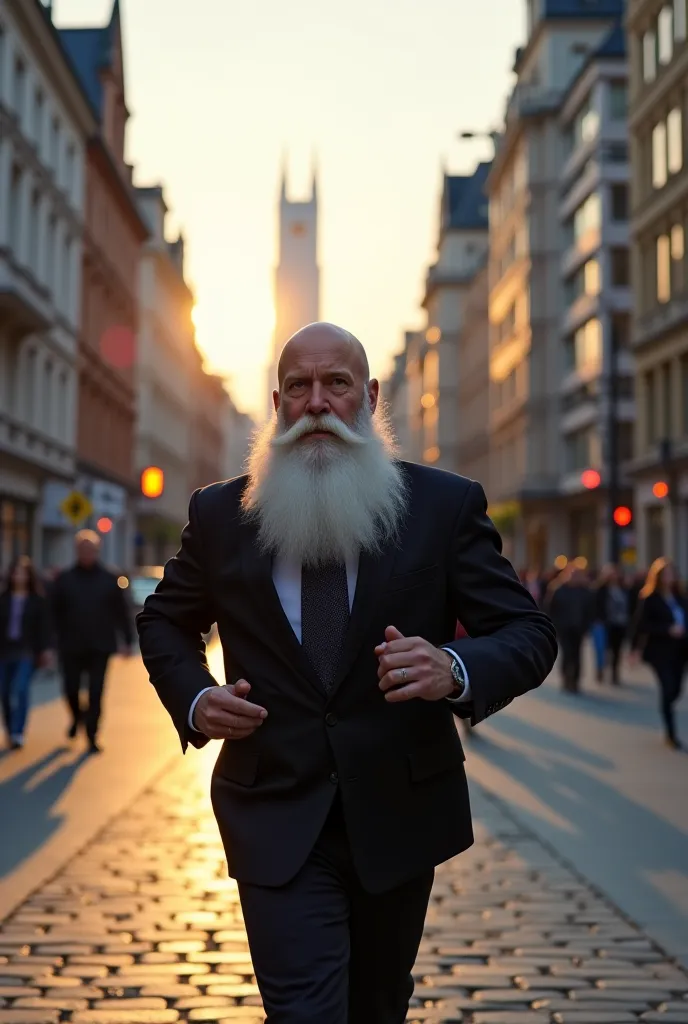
[319,360]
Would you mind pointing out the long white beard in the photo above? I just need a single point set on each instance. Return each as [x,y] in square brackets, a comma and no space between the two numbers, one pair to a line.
[325,499]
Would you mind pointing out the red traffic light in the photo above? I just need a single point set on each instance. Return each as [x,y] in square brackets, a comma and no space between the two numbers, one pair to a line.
[660,489]
[104,524]
[591,479]
[622,515]
[152,482]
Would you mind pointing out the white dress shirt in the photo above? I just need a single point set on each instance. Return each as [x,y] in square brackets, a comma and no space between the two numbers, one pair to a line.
[286,577]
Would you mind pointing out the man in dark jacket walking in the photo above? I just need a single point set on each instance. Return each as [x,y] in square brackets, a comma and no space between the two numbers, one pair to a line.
[90,614]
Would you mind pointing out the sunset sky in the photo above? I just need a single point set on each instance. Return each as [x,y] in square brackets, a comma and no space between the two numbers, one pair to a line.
[219,88]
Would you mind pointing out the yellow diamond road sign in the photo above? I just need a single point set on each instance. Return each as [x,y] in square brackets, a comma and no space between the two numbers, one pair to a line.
[76,507]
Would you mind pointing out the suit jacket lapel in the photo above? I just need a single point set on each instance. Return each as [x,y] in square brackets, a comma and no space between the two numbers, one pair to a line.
[278,634]
[373,573]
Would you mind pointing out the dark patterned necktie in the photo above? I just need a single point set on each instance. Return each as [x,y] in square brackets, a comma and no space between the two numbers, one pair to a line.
[324,618]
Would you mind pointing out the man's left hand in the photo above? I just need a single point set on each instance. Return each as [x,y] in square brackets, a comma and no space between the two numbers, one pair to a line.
[411,667]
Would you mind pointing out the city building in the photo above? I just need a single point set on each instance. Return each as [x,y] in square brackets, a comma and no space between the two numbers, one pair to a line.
[473,394]
[45,120]
[395,401]
[526,301]
[238,428]
[297,275]
[597,410]
[115,233]
[432,363]
[658,118]
[167,367]
[208,429]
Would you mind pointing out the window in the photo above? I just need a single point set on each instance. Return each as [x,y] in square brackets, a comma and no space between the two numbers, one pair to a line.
[680,20]
[38,111]
[586,123]
[62,403]
[665,35]
[583,352]
[621,330]
[69,170]
[620,272]
[674,141]
[666,404]
[15,209]
[616,152]
[50,253]
[619,195]
[654,522]
[591,278]
[618,101]
[587,217]
[580,450]
[650,408]
[659,155]
[34,229]
[649,57]
[48,398]
[55,145]
[663,269]
[677,247]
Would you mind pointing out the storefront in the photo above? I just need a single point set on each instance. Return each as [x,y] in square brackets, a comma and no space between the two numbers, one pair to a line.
[16,530]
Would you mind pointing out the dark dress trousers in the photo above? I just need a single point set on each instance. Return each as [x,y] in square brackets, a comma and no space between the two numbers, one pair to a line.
[397,769]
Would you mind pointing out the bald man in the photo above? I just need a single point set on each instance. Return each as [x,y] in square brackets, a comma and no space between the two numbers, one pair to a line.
[336,574]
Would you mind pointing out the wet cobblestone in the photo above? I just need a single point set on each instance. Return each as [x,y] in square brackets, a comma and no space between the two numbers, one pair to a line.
[143,927]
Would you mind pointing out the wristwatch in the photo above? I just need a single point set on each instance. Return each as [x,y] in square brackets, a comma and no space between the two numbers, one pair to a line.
[458,677]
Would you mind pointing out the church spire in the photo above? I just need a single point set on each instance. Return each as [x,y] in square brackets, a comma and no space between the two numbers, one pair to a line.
[314,176]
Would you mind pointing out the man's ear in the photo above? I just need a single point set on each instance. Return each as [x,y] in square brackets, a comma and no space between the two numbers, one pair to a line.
[373,394]
[276,400]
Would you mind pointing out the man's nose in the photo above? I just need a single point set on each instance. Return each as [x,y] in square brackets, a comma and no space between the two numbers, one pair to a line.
[318,403]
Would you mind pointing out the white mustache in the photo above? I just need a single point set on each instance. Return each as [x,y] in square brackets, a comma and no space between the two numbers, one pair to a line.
[327,423]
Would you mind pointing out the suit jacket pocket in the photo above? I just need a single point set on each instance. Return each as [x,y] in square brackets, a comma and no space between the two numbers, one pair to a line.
[433,759]
[419,578]
[236,765]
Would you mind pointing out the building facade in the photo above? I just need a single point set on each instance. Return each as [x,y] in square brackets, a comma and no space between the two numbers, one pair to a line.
[658,117]
[297,275]
[114,237]
[45,121]
[433,363]
[167,366]
[596,385]
[526,288]
[473,396]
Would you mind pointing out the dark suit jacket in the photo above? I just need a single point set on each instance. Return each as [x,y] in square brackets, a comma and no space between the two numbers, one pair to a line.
[89,611]
[399,767]
[35,625]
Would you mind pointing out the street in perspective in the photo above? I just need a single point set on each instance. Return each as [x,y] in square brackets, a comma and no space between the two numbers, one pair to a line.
[572,906]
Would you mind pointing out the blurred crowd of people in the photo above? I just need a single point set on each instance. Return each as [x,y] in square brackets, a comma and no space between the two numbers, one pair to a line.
[645,614]
[73,620]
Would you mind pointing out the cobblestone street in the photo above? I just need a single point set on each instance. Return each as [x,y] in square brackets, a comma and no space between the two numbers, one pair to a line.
[143,927]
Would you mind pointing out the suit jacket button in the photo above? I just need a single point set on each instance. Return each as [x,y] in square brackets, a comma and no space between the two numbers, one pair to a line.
[330,719]
[334,778]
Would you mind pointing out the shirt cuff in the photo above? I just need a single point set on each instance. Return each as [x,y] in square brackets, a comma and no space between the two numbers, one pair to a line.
[466,695]
[193,707]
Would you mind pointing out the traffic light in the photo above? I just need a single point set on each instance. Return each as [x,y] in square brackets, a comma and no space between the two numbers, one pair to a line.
[104,524]
[590,479]
[152,482]
[622,515]
[660,489]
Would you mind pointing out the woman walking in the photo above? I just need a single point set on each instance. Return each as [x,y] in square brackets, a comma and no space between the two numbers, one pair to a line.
[660,635]
[24,641]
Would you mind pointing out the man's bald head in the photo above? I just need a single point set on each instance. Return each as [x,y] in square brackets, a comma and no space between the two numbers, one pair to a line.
[320,339]
[324,369]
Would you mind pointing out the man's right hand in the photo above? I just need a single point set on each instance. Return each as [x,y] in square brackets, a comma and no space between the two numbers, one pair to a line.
[223,713]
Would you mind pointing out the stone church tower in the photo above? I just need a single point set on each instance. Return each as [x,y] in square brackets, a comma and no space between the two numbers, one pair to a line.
[297,275]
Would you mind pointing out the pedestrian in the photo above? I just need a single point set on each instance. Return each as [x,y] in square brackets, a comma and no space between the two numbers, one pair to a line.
[91,614]
[659,636]
[336,574]
[24,644]
[613,613]
[571,606]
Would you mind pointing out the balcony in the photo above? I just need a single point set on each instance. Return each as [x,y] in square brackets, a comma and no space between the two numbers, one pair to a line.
[672,316]
[23,309]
